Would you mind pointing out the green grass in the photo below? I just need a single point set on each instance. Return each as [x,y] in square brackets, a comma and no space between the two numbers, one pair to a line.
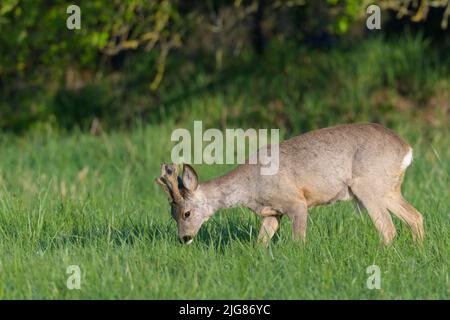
[114,223]
[75,199]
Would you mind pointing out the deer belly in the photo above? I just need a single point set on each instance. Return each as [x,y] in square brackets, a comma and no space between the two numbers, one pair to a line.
[321,197]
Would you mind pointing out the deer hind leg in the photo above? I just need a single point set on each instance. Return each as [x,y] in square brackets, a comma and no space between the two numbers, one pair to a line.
[269,227]
[407,213]
[374,202]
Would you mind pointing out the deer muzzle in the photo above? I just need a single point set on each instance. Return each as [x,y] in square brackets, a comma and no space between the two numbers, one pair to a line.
[186,239]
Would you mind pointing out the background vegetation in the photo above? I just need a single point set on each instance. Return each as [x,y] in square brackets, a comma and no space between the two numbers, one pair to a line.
[140,59]
[86,118]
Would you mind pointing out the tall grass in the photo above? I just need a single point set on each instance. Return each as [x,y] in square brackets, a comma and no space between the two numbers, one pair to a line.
[76,199]
[90,201]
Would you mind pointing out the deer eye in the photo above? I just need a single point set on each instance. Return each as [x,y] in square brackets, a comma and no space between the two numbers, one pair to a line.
[187,214]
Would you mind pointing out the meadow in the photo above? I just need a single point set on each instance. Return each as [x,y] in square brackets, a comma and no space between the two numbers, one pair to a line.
[72,198]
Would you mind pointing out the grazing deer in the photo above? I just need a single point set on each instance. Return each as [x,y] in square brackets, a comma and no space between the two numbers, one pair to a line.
[364,161]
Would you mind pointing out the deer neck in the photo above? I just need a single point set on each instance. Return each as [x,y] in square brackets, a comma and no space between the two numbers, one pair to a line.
[227,191]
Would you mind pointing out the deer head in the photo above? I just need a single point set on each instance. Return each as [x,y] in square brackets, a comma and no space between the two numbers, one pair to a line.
[189,206]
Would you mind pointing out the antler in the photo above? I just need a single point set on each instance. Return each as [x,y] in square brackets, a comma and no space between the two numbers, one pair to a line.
[165,188]
[169,182]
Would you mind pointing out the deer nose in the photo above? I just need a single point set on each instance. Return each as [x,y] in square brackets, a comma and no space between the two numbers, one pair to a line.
[186,239]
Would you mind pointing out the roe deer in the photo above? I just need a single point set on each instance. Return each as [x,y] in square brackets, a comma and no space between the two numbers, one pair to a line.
[364,161]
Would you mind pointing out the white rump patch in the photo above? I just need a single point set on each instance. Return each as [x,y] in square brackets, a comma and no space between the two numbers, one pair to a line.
[407,159]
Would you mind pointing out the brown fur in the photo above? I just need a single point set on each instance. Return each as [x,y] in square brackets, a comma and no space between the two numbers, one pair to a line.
[319,167]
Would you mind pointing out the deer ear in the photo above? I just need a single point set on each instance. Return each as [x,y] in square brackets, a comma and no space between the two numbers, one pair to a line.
[190,179]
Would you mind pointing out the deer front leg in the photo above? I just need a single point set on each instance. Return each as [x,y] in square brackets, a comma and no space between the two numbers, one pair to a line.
[298,214]
[269,227]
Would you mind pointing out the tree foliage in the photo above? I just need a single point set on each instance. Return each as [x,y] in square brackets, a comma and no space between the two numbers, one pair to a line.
[39,56]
